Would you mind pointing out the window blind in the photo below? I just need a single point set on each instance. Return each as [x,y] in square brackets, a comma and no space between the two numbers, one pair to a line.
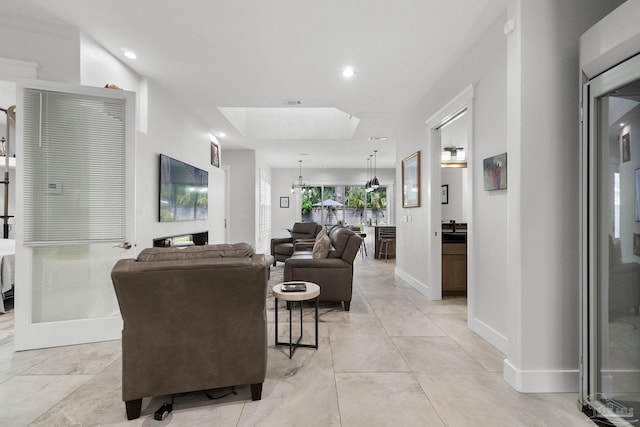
[264,228]
[74,168]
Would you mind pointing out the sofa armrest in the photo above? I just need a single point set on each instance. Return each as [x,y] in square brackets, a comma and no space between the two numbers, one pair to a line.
[316,263]
[278,240]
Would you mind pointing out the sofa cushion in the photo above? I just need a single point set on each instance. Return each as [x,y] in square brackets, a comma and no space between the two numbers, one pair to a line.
[339,237]
[321,245]
[225,250]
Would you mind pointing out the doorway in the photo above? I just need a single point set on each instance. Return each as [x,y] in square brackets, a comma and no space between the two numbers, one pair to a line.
[8,167]
[611,252]
[454,201]
[461,105]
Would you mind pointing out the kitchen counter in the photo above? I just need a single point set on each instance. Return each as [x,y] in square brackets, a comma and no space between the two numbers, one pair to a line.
[374,231]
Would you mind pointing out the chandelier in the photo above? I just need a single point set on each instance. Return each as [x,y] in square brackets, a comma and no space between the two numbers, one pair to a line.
[299,184]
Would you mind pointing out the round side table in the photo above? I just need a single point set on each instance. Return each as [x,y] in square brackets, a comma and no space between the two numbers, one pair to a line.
[312,292]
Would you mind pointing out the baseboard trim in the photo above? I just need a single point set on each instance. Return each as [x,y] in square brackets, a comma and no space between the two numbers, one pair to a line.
[413,282]
[563,381]
[490,335]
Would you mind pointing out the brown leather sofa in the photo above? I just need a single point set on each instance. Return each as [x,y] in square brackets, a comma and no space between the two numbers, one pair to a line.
[282,247]
[194,319]
[333,274]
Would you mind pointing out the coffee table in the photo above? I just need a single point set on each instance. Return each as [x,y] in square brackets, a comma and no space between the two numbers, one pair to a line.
[312,292]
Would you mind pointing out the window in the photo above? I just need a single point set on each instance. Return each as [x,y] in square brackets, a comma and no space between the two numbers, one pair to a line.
[344,204]
[264,226]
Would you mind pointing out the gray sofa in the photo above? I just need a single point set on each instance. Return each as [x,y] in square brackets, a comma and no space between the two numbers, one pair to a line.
[333,274]
[194,319]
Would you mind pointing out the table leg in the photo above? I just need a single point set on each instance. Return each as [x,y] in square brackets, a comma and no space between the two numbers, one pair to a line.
[290,334]
[293,346]
[275,306]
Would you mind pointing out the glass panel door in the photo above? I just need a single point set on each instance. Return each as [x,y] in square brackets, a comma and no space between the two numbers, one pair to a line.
[75,211]
[612,366]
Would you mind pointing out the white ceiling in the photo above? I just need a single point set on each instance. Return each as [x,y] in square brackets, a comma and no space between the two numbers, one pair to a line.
[258,53]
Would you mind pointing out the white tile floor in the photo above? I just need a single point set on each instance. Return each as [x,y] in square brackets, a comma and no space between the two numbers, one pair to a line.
[396,359]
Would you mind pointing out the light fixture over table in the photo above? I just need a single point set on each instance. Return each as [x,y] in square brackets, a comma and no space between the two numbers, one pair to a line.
[301,185]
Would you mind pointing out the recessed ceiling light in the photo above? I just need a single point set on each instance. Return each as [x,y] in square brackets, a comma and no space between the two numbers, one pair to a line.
[348,72]
[621,124]
[129,53]
[222,134]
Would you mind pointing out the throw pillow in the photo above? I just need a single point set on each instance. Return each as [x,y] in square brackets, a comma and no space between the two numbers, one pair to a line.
[321,246]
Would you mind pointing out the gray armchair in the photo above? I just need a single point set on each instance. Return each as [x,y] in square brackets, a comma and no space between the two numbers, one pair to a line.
[194,319]
[282,248]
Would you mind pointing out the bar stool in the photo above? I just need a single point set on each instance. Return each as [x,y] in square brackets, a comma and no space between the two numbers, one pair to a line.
[386,236]
[356,229]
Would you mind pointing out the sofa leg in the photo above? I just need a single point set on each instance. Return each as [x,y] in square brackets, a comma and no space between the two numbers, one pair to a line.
[347,305]
[256,391]
[133,408]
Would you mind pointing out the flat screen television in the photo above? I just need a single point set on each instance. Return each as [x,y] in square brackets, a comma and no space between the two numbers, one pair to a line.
[184,191]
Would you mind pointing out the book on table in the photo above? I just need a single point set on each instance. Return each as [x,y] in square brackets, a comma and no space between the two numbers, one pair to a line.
[294,287]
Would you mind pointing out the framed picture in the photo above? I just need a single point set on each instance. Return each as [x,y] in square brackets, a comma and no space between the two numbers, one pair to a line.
[626,148]
[411,181]
[284,202]
[215,154]
[495,172]
[445,194]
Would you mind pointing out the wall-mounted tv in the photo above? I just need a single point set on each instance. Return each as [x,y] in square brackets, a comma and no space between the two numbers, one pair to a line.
[184,191]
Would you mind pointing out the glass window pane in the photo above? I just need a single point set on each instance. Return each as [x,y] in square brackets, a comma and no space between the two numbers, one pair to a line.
[73,282]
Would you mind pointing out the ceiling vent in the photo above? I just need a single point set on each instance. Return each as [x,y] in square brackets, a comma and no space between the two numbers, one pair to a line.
[292,102]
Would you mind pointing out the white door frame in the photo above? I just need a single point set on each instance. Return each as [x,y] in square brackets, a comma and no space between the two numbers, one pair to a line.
[227,202]
[462,102]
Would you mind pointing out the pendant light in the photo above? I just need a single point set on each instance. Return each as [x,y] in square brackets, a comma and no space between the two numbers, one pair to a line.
[367,186]
[375,183]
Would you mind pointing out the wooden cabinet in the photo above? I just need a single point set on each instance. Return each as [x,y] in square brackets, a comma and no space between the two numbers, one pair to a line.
[454,268]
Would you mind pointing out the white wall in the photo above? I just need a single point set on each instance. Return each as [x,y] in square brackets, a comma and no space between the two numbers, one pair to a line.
[525,298]
[281,180]
[543,195]
[242,208]
[56,49]
[484,65]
